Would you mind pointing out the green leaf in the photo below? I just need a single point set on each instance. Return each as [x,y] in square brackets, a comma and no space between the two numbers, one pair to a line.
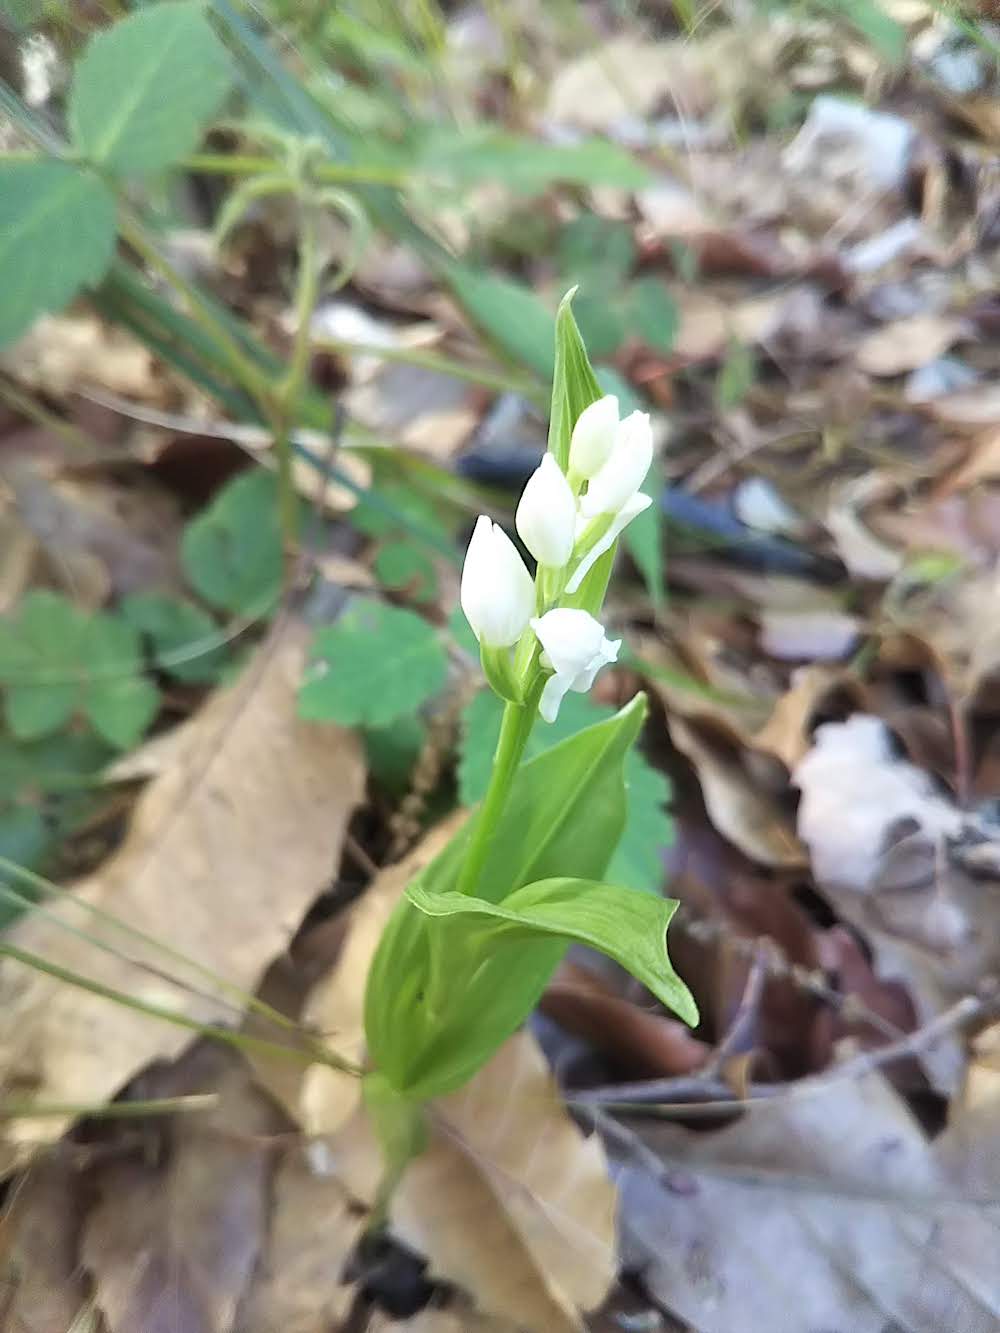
[232,551]
[527,165]
[144,90]
[54,765]
[649,829]
[118,701]
[509,313]
[637,862]
[596,252]
[24,839]
[736,376]
[885,34]
[602,322]
[574,385]
[629,927]
[42,640]
[653,313]
[56,662]
[22,13]
[480,731]
[402,564]
[182,636]
[564,816]
[393,750]
[376,664]
[57,235]
[643,539]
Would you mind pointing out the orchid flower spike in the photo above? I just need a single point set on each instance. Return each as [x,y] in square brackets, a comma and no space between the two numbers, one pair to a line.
[497,592]
[593,437]
[574,647]
[624,470]
[546,515]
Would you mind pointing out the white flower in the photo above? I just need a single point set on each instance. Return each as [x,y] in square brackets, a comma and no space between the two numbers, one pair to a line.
[497,593]
[631,509]
[593,436]
[624,471]
[546,515]
[574,645]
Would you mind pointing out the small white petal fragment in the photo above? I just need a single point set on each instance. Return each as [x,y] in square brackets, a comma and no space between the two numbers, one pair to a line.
[593,437]
[575,646]
[546,515]
[624,471]
[497,593]
[631,509]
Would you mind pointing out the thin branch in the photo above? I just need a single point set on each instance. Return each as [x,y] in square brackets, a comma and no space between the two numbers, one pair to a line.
[690,1094]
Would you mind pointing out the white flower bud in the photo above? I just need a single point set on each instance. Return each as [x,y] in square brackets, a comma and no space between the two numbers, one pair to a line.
[575,647]
[631,509]
[497,593]
[593,436]
[625,470]
[546,515]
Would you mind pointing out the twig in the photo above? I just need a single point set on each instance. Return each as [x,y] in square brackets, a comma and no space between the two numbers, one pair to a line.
[746,1012]
[717,1095]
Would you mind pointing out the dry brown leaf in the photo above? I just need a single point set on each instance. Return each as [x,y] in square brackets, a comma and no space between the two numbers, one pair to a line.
[441,1321]
[786,733]
[299,1286]
[907,344]
[510,1201]
[42,1289]
[332,496]
[861,551]
[981,1090]
[886,849]
[824,1210]
[970,408]
[740,807]
[63,353]
[335,1007]
[820,634]
[626,78]
[981,463]
[647,1044]
[171,1249]
[225,853]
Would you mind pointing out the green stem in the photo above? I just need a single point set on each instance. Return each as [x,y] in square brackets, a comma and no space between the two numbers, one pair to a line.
[326,173]
[518,719]
[445,365]
[290,389]
[249,375]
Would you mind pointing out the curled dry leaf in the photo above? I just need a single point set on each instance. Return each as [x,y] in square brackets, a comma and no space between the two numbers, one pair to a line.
[645,1043]
[226,850]
[509,1200]
[740,806]
[824,1210]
